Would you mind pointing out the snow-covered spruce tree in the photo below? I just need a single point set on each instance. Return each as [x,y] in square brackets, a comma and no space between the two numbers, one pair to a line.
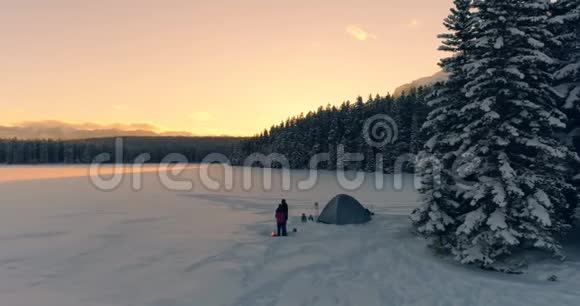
[566,21]
[439,216]
[509,168]
[566,24]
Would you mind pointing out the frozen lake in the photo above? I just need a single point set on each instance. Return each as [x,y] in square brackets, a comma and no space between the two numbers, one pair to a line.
[64,242]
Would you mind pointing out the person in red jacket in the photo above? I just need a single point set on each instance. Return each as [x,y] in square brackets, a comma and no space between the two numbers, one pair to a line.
[281,218]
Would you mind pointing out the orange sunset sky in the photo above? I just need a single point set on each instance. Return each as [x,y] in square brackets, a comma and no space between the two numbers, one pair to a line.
[206,67]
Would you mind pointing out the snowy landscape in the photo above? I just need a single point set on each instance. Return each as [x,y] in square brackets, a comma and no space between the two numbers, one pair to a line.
[265,153]
[65,243]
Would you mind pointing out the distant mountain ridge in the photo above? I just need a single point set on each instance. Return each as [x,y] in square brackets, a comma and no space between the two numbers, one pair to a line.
[426,81]
[54,129]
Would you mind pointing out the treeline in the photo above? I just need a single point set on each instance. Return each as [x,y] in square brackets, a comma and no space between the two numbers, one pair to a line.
[328,128]
[46,151]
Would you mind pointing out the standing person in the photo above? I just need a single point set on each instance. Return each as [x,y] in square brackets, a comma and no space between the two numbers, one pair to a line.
[284,207]
[281,221]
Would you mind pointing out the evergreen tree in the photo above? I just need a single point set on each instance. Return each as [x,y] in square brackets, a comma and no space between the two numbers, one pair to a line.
[444,129]
[511,165]
[333,139]
[566,23]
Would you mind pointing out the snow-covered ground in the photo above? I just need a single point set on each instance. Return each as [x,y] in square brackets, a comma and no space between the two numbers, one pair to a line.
[65,243]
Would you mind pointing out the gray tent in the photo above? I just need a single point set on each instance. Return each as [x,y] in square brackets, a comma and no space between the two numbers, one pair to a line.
[344,209]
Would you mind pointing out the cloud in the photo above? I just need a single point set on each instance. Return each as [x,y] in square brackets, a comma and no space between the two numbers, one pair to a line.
[121,108]
[359,33]
[54,129]
[202,116]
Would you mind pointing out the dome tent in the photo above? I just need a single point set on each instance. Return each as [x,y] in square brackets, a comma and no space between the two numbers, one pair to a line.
[344,209]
